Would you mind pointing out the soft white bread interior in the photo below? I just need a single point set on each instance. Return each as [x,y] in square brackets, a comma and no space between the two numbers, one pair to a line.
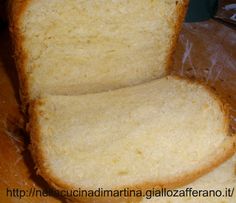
[164,133]
[81,46]
[222,178]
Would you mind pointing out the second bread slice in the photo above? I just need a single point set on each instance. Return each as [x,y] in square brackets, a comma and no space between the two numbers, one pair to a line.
[164,133]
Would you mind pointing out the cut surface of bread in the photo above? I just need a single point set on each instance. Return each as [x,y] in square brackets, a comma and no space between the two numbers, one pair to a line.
[81,46]
[221,178]
[164,133]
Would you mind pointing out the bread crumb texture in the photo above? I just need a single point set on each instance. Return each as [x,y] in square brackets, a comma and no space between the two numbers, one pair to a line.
[81,46]
[155,132]
[219,179]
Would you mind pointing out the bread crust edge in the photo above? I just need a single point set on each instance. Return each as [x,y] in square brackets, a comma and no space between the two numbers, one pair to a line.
[181,10]
[15,10]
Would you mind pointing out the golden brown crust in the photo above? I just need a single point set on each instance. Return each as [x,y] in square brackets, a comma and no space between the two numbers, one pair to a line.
[16,9]
[181,12]
[39,158]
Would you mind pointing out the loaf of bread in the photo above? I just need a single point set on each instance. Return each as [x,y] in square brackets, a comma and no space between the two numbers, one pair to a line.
[165,133]
[77,46]
[221,179]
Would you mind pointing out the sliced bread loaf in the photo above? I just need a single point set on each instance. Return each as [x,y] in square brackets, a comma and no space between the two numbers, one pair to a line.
[221,179]
[78,46]
[165,133]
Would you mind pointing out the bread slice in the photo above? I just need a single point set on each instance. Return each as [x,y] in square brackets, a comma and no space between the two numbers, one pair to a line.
[78,46]
[165,133]
[222,178]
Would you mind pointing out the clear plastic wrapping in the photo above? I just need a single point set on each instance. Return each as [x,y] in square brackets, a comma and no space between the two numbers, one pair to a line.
[207,52]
